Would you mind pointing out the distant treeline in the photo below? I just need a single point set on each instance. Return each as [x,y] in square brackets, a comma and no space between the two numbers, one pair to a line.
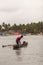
[33,28]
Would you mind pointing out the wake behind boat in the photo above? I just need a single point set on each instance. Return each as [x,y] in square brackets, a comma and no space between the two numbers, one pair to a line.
[24,44]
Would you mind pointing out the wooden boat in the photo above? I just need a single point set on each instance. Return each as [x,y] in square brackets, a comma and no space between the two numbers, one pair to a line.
[24,44]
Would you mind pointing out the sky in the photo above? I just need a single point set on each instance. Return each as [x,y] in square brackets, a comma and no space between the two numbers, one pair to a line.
[21,11]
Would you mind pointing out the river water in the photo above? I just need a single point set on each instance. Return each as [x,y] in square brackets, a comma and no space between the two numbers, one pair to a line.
[31,55]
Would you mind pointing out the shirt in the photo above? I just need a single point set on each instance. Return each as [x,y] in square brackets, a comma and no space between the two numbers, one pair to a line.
[18,39]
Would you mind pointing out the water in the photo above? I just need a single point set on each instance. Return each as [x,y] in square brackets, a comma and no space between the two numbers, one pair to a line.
[31,55]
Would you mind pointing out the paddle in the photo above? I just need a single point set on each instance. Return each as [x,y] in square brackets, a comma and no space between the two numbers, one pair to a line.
[6,45]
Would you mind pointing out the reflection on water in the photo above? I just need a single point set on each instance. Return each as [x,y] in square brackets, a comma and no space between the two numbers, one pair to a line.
[31,55]
[18,52]
[18,55]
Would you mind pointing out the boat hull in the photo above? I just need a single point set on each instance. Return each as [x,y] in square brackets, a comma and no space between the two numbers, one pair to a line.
[22,45]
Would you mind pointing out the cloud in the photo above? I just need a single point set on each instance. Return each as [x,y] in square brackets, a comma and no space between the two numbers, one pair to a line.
[21,11]
[8,10]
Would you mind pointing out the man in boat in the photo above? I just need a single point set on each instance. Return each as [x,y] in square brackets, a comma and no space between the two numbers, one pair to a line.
[18,40]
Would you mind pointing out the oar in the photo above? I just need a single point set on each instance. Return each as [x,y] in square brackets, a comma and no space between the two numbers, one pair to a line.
[6,45]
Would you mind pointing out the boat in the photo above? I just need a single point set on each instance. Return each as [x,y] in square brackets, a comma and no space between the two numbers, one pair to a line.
[24,44]
[15,46]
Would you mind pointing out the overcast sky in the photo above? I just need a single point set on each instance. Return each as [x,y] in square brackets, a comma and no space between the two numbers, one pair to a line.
[21,11]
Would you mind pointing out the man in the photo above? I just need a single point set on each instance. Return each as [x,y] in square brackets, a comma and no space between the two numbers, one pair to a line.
[18,40]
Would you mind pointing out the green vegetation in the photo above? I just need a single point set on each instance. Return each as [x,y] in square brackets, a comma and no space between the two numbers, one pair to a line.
[32,28]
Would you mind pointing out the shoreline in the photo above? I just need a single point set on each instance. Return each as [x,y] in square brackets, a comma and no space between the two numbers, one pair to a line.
[23,35]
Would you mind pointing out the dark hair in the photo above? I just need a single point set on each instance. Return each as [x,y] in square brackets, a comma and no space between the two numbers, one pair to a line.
[21,36]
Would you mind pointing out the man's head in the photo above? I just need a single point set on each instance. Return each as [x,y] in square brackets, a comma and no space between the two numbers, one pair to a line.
[21,36]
